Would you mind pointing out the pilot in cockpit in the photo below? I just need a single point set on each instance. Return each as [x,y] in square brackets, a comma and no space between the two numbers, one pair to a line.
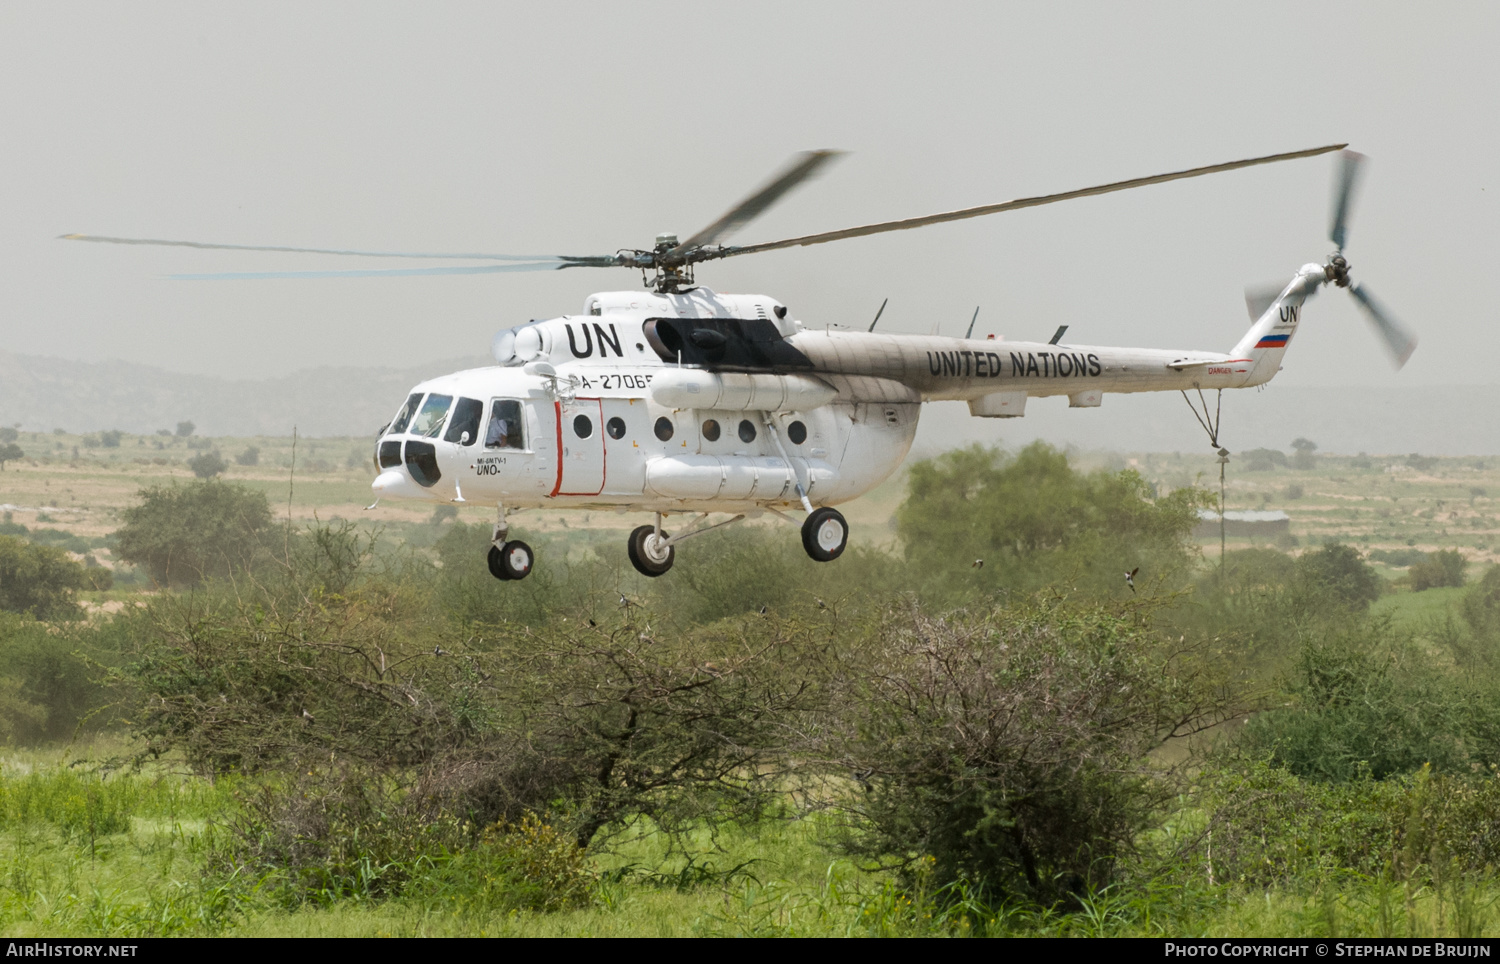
[504,431]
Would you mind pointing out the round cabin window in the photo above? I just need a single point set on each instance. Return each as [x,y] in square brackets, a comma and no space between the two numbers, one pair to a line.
[615,427]
[583,427]
[711,430]
[797,432]
[747,430]
[664,429]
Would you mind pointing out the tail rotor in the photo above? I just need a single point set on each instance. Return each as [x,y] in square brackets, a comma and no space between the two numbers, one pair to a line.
[1398,339]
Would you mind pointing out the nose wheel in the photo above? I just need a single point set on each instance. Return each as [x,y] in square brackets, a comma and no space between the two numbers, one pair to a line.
[825,534]
[511,560]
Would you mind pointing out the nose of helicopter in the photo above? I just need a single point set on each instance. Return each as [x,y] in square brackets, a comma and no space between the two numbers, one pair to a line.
[395,483]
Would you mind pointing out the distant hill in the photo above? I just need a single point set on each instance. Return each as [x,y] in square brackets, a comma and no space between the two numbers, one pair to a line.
[45,393]
[1446,420]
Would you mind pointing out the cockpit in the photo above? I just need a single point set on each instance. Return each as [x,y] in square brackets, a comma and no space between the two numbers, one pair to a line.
[452,419]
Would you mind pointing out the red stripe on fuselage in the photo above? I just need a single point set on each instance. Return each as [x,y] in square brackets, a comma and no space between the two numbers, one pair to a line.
[557,486]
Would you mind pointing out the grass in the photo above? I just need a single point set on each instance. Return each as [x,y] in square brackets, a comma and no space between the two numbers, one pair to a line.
[1419,611]
[85,853]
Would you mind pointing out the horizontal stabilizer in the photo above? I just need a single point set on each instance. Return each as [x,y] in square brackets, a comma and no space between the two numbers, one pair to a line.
[1182,364]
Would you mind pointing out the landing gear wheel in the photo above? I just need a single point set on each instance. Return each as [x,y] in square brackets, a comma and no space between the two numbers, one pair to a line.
[511,561]
[825,534]
[647,554]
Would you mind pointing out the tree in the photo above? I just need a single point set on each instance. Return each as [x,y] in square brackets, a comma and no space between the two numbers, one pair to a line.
[1033,521]
[1481,608]
[1303,459]
[1013,747]
[251,456]
[1263,460]
[184,429]
[206,465]
[9,451]
[184,534]
[599,724]
[1342,574]
[8,434]
[39,580]
[1445,568]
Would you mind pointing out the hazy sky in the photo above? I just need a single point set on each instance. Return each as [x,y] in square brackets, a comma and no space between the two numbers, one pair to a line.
[583,128]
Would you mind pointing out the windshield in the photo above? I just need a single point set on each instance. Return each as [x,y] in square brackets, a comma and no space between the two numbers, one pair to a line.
[430,419]
[407,411]
[463,427]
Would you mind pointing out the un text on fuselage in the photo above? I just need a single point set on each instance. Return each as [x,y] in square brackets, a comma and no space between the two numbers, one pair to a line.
[1027,364]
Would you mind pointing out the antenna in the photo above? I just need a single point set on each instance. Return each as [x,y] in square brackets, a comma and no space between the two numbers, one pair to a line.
[878,314]
[971,322]
[1057,336]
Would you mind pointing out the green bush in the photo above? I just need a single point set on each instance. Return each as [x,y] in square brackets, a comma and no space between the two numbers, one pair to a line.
[38,580]
[1365,703]
[50,678]
[1034,521]
[207,464]
[1397,557]
[528,865]
[1013,746]
[1444,568]
[182,535]
[1341,574]
[1481,609]
[1263,460]
[1265,826]
[320,834]
[744,569]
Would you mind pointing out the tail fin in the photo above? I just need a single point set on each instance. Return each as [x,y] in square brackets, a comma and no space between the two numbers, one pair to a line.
[1268,337]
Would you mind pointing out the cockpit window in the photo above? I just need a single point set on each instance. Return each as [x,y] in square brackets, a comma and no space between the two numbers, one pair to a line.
[430,419]
[505,426]
[463,427]
[404,416]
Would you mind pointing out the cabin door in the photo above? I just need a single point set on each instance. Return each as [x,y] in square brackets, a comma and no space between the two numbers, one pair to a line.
[580,431]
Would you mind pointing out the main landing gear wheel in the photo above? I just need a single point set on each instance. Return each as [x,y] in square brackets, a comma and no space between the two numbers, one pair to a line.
[648,554]
[511,561]
[825,534]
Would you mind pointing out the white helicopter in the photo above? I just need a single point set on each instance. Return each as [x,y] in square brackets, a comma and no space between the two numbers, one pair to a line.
[678,399]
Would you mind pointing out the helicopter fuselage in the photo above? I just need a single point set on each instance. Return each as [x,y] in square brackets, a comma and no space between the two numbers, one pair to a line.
[698,401]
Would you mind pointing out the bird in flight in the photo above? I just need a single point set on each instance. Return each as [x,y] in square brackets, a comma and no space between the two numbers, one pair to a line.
[978,564]
[1130,578]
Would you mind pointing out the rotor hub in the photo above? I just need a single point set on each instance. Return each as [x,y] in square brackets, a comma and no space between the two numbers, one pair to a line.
[1337,270]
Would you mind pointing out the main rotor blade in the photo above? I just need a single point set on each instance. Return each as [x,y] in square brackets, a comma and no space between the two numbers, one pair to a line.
[393,272]
[271,247]
[800,168]
[1350,164]
[1029,202]
[1397,338]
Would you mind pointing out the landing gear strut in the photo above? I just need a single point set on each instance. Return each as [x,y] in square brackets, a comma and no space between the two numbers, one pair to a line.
[508,558]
